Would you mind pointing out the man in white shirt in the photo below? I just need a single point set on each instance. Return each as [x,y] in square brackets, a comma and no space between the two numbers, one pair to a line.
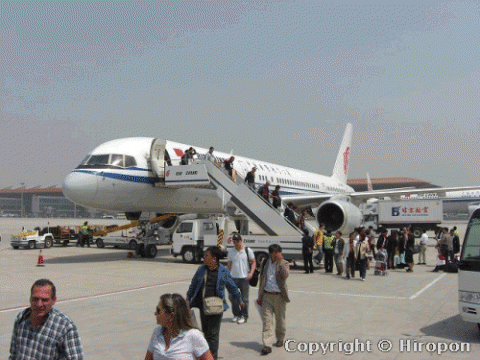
[423,248]
[209,156]
[242,264]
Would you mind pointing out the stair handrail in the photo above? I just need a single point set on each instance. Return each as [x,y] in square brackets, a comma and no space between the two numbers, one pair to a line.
[240,179]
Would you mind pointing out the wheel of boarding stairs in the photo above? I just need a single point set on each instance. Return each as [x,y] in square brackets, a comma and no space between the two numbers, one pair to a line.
[132,245]
[151,251]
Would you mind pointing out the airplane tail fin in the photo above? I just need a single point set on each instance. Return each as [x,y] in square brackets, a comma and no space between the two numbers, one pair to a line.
[369,183]
[340,170]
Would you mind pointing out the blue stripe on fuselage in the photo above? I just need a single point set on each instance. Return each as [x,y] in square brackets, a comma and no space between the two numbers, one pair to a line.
[123,177]
[153,180]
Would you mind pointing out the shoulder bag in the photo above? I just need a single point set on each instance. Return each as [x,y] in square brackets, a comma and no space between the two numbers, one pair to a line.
[254,280]
[212,305]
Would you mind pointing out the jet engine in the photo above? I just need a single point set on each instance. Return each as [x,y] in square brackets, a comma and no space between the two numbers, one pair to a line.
[338,214]
[171,223]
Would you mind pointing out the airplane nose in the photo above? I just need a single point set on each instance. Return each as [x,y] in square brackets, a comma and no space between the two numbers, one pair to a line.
[80,187]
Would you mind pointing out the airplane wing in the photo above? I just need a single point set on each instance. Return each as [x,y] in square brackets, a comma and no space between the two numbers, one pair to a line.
[440,192]
[306,200]
[361,196]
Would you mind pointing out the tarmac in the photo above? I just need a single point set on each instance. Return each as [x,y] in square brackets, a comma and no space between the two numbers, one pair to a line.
[112,299]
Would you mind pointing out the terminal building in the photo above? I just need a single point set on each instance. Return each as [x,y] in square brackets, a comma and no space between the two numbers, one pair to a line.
[40,202]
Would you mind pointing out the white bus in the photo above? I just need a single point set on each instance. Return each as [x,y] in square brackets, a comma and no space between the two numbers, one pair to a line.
[469,272]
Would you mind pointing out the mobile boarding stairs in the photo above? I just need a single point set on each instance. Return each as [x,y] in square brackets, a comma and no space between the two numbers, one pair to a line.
[237,196]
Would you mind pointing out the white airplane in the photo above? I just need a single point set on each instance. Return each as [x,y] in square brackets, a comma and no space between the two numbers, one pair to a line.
[125,175]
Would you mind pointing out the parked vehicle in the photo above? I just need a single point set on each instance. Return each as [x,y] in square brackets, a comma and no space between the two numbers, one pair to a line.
[65,234]
[188,239]
[141,236]
[193,237]
[420,214]
[31,239]
[469,272]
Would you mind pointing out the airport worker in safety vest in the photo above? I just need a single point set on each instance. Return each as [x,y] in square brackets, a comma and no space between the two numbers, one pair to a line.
[84,235]
[328,249]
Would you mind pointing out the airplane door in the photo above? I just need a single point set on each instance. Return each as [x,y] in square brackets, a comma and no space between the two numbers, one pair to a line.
[157,157]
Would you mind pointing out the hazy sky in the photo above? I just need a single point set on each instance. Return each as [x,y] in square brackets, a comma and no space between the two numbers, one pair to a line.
[274,80]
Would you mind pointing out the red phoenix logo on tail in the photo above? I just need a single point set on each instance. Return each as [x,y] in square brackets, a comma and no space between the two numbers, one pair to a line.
[346,156]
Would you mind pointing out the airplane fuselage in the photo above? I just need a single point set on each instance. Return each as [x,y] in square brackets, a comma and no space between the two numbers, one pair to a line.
[118,175]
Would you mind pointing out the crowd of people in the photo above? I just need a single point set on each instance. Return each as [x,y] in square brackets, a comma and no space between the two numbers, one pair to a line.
[359,251]
[43,332]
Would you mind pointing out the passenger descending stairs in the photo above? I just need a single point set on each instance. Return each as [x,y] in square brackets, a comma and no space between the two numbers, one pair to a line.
[235,195]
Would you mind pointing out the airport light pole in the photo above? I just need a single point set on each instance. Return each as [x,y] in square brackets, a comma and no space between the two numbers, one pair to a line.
[21,206]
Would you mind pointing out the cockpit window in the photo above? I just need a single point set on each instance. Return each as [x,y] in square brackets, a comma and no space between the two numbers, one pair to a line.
[107,161]
[130,161]
[84,161]
[116,160]
[98,160]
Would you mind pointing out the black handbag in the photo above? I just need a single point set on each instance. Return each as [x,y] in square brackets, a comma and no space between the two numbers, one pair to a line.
[254,280]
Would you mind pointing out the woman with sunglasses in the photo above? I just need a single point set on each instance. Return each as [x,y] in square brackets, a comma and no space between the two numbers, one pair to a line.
[176,337]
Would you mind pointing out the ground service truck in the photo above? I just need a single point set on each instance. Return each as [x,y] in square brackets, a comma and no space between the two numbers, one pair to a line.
[425,214]
[193,237]
[31,239]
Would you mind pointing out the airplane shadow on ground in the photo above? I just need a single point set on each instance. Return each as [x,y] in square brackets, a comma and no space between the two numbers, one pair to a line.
[455,329]
[163,256]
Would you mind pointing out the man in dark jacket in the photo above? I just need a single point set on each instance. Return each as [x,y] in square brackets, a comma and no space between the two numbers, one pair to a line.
[338,252]
[401,247]
[250,178]
[409,249]
[381,241]
[289,214]
[264,191]
[229,165]
[391,249]
[307,252]
[276,199]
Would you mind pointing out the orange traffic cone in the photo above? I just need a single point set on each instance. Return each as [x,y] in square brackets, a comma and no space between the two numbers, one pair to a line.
[40,259]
